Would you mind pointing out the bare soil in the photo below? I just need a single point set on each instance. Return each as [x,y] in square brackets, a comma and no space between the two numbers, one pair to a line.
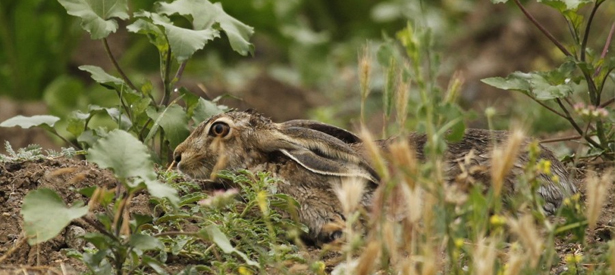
[65,176]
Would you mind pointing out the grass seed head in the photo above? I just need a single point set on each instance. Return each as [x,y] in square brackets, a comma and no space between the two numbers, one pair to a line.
[375,154]
[597,190]
[403,157]
[350,193]
[364,71]
[504,157]
[402,93]
[484,256]
[525,229]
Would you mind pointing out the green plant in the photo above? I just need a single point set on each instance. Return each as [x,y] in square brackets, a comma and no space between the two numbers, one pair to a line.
[583,70]
[160,122]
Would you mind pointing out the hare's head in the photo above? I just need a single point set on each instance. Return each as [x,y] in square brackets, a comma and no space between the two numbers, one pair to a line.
[241,140]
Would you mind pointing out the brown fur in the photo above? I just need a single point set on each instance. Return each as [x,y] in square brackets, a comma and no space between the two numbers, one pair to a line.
[311,157]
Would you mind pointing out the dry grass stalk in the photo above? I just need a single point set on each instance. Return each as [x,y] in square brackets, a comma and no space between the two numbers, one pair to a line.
[375,154]
[504,158]
[403,157]
[402,93]
[516,258]
[484,256]
[454,87]
[368,258]
[349,194]
[364,77]
[390,240]
[218,146]
[525,229]
[597,190]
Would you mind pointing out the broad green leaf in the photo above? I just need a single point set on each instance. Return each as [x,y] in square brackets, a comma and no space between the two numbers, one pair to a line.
[213,233]
[103,78]
[565,5]
[122,153]
[155,35]
[205,15]
[96,14]
[174,122]
[538,85]
[185,42]
[45,215]
[27,122]
[145,242]
[515,81]
[206,109]
[129,158]
[119,117]
[75,126]
[161,190]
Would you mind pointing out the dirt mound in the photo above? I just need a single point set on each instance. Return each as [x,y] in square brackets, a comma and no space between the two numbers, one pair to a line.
[62,175]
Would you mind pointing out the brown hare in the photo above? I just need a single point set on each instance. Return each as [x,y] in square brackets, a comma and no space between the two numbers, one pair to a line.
[311,157]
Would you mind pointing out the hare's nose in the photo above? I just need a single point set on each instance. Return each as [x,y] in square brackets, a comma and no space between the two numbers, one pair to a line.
[177,157]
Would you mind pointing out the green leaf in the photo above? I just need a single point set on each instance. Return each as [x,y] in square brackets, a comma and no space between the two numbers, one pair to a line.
[212,233]
[103,78]
[96,14]
[145,242]
[27,122]
[515,81]
[205,15]
[538,85]
[565,5]
[45,215]
[155,35]
[174,122]
[206,109]
[129,158]
[122,153]
[498,1]
[161,190]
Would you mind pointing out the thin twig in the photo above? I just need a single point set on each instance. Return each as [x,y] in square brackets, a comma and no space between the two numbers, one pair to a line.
[20,242]
[75,145]
[176,233]
[576,126]
[542,29]
[117,66]
[180,71]
[560,139]
[100,228]
[605,49]
[547,107]
[587,29]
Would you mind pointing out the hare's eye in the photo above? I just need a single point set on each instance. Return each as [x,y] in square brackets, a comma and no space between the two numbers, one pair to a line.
[219,129]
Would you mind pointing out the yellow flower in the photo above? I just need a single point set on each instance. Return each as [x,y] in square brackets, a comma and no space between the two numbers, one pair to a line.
[244,271]
[497,220]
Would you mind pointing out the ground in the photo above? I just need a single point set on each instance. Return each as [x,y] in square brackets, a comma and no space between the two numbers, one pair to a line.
[67,175]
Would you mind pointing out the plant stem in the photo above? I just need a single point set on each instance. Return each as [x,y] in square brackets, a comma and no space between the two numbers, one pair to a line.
[560,139]
[117,66]
[587,29]
[100,228]
[76,145]
[547,107]
[576,126]
[166,80]
[180,71]
[543,30]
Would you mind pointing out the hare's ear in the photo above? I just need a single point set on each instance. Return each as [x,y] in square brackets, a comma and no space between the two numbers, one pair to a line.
[339,133]
[321,153]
